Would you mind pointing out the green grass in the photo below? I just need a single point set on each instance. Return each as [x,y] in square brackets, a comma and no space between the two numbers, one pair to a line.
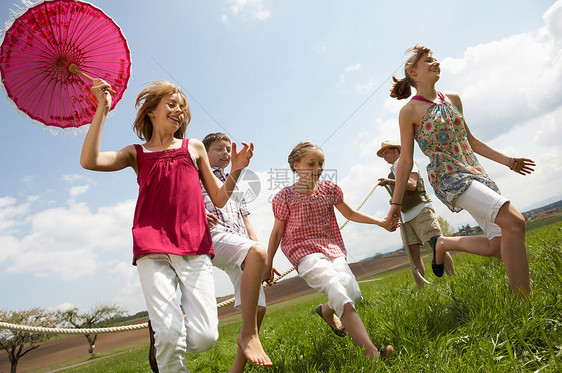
[466,323]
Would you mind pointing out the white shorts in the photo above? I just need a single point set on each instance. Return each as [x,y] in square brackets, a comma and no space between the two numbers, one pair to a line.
[230,252]
[483,204]
[331,277]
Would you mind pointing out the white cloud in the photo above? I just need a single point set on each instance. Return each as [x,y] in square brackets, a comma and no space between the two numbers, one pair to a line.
[505,83]
[64,307]
[10,212]
[130,291]
[72,178]
[78,190]
[246,11]
[553,21]
[350,68]
[66,241]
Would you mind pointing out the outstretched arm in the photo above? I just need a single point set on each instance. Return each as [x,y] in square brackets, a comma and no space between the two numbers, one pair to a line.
[91,158]
[522,166]
[359,217]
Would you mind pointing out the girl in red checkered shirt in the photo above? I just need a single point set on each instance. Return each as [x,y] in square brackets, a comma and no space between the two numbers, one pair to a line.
[306,227]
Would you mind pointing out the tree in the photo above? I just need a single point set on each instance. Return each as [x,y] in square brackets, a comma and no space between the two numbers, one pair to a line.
[18,343]
[99,316]
[446,228]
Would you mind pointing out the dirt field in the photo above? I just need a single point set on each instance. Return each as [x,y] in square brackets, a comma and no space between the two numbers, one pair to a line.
[76,346]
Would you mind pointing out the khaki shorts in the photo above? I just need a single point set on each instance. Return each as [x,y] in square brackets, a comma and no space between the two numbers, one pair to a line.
[421,228]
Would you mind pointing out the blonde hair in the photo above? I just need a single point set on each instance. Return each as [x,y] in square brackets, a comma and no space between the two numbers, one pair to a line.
[148,100]
[301,150]
[401,88]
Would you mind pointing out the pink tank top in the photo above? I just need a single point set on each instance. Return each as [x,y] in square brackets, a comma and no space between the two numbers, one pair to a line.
[170,213]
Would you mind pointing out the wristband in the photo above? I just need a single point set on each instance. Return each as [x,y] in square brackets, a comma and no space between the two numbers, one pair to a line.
[395,203]
[509,162]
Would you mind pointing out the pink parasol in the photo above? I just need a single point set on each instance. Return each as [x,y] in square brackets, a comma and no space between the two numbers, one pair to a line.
[51,51]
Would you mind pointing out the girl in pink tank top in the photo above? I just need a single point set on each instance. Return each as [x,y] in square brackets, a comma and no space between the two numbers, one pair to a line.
[172,246]
[436,122]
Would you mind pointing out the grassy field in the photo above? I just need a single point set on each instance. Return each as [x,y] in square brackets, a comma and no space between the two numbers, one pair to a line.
[466,323]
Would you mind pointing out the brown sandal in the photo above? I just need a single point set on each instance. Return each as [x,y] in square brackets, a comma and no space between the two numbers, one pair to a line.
[339,332]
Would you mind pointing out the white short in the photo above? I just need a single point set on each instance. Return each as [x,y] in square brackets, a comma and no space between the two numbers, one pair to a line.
[331,277]
[161,275]
[483,204]
[230,252]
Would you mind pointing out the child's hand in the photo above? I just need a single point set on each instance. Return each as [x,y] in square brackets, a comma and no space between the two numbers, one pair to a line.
[100,90]
[269,276]
[212,220]
[390,224]
[241,159]
[523,166]
[392,220]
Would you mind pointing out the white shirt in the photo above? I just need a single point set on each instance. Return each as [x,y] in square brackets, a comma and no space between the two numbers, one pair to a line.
[414,211]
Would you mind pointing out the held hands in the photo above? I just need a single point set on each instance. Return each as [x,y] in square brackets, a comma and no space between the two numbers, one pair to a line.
[241,159]
[391,223]
[100,90]
[269,276]
[522,166]
[394,215]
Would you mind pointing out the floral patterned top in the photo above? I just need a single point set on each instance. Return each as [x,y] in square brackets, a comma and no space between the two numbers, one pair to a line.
[453,166]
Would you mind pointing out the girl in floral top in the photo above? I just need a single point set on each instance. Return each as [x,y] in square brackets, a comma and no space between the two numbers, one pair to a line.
[436,122]
[306,227]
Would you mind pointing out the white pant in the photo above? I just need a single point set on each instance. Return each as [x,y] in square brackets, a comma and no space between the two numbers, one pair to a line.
[331,277]
[160,276]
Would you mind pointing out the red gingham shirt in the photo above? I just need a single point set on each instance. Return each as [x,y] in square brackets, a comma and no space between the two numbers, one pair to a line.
[310,222]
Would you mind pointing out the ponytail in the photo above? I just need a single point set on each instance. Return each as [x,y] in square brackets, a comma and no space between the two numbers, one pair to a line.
[401,88]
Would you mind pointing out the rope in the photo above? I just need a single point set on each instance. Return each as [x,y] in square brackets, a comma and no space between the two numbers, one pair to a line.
[38,329]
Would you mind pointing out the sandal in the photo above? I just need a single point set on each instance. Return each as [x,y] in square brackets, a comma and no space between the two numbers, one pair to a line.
[385,352]
[339,332]
[438,269]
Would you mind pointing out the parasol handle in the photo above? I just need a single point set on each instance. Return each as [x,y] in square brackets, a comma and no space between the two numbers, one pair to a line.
[76,70]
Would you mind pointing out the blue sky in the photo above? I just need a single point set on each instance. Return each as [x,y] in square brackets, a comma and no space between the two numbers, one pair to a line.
[276,73]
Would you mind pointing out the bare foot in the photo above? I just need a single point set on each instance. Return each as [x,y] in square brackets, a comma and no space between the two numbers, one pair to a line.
[253,350]
[439,253]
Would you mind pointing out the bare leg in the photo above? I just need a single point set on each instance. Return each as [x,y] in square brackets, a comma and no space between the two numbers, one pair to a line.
[513,249]
[479,245]
[449,266]
[240,361]
[356,330]
[416,258]
[510,247]
[248,339]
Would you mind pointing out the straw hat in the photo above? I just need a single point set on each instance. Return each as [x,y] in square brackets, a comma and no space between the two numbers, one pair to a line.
[388,144]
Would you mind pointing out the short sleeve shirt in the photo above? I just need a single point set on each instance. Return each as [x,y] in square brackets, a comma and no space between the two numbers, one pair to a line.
[310,222]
